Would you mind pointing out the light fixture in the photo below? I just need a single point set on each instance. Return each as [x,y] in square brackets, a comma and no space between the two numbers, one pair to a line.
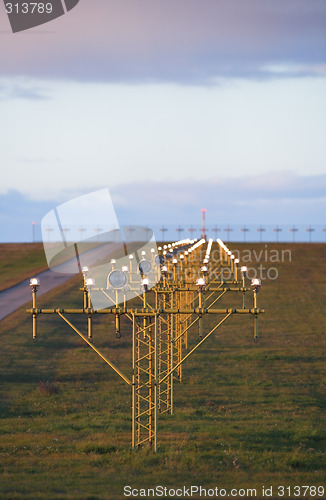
[145,266]
[34,283]
[159,259]
[85,270]
[145,283]
[244,270]
[117,278]
[236,261]
[131,256]
[201,283]
[175,261]
[152,250]
[125,269]
[143,252]
[89,282]
[204,269]
[164,270]
[256,284]
[182,256]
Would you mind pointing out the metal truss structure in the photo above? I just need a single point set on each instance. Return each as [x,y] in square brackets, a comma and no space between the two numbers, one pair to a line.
[168,322]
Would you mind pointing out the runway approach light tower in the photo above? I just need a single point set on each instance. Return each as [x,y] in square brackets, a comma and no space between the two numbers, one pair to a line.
[203,229]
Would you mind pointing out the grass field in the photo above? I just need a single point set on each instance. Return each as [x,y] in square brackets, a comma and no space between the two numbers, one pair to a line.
[246,415]
[18,261]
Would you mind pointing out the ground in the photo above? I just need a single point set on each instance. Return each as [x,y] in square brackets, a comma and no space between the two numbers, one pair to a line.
[246,415]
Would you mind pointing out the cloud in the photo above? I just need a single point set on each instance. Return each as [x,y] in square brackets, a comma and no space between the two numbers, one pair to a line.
[297,70]
[279,198]
[17,212]
[21,90]
[275,197]
[272,186]
[184,41]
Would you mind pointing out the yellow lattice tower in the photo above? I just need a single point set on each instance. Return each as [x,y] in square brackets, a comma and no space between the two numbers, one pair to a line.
[161,321]
[144,381]
[165,324]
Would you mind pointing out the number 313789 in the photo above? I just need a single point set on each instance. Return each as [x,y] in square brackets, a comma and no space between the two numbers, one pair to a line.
[29,8]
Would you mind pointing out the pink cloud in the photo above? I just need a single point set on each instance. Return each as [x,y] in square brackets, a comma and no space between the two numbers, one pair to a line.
[183,40]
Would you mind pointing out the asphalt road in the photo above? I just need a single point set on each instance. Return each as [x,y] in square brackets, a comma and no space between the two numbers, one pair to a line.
[15,297]
[18,295]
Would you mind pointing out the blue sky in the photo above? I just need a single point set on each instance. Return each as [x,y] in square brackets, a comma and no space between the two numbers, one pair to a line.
[173,105]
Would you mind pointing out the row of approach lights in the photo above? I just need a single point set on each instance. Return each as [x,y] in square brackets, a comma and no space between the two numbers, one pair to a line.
[201,282]
[168,252]
[118,279]
[215,229]
[245,230]
[255,282]
[276,230]
[156,340]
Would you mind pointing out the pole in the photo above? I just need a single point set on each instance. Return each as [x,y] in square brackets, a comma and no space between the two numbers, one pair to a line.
[133,392]
[34,314]
[89,319]
[203,229]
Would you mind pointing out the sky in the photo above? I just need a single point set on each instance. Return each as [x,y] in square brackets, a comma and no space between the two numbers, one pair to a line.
[173,105]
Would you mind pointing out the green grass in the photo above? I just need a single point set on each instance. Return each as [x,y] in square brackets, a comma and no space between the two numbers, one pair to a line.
[19,262]
[246,414]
